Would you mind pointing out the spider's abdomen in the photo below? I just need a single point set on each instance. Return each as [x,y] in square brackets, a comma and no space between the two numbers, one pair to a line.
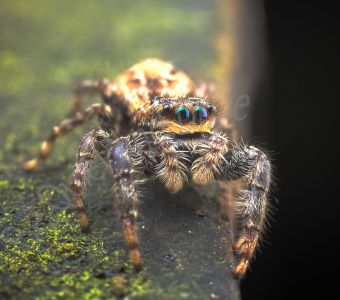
[151,78]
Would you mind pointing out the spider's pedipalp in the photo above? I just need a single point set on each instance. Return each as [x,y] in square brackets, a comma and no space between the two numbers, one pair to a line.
[93,141]
[204,168]
[172,169]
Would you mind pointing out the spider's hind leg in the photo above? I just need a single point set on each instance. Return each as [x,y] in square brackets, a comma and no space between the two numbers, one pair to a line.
[88,88]
[126,196]
[65,127]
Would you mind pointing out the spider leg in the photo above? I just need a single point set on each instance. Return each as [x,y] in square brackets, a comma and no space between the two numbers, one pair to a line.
[126,196]
[227,190]
[254,170]
[88,88]
[95,140]
[65,127]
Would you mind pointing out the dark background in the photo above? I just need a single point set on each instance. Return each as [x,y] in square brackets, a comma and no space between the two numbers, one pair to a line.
[296,114]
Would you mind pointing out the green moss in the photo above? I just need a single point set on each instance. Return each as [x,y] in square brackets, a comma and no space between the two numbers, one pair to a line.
[3,184]
[45,254]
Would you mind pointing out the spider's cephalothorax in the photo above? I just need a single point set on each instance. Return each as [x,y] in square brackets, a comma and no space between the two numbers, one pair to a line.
[155,127]
[180,115]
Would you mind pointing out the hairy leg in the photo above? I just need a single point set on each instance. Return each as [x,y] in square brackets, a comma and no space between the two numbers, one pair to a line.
[65,127]
[253,206]
[227,189]
[210,153]
[252,167]
[126,196]
[96,140]
[89,88]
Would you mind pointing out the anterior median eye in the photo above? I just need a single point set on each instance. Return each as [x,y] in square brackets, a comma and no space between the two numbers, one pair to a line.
[182,114]
[200,114]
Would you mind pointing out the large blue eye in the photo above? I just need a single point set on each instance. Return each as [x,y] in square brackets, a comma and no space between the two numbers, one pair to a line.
[200,114]
[182,115]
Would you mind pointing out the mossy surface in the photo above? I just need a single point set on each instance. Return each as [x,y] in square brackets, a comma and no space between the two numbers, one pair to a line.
[47,46]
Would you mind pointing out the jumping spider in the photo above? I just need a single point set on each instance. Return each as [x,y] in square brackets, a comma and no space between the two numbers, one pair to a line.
[154,126]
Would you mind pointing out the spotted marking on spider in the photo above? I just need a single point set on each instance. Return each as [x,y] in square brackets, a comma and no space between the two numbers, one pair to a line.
[155,124]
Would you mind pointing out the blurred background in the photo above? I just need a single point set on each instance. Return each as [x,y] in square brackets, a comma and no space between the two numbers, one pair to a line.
[279,57]
[295,116]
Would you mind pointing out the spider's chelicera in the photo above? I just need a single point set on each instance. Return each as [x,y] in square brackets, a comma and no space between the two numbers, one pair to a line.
[153,125]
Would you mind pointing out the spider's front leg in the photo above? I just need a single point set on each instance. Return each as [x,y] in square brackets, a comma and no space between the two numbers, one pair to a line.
[96,140]
[254,170]
[126,196]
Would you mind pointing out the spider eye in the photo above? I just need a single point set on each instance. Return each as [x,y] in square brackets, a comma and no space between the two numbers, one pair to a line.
[200,114]
[182,115]
[166,108]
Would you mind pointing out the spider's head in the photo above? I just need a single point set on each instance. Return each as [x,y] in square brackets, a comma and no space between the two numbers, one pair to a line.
[183,115]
